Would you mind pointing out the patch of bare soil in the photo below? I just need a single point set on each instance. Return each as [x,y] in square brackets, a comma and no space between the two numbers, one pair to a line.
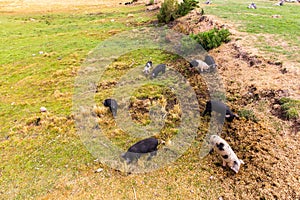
[270,147]
[195,22]
[35,6]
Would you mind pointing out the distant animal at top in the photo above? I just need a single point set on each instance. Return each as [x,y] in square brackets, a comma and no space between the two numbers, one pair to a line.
[252,5]
[208,2]
[112,104]
[161,68]
[228,156]
[147,67]
[221,108]
[280,3]
[148,145]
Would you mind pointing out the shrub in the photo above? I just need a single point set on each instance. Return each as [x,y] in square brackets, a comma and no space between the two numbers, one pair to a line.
[189,46]
[212,38]
[167,11]
[171,10]
[248,114]
[186,6]
[290,107]
[151,2]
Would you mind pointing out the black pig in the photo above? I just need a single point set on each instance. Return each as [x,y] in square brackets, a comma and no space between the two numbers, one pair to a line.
[221,108]
[210,62]
[159,68]
[112,104]
[148,145]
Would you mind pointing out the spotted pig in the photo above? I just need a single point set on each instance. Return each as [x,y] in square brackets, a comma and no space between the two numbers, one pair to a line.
[199,65]
[147,67]
[228,156]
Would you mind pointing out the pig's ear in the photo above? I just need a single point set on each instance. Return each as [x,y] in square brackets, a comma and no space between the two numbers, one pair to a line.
[242,162]
[235,168]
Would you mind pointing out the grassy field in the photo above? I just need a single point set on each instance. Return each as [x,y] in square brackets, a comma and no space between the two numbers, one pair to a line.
[273,36]
[40,57]
[42,157]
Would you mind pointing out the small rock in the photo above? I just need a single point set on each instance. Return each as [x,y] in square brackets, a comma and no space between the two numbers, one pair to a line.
[276,16]
[130,15]
[41,52]
[43,109]
[99,170]
[153,7]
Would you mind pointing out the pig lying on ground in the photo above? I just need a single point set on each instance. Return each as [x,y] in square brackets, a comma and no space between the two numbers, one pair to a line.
[148,145]
[221,108]
[112,104]
[228,156]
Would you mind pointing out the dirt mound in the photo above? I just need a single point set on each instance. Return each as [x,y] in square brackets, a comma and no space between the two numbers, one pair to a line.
[268,148]
[195,22]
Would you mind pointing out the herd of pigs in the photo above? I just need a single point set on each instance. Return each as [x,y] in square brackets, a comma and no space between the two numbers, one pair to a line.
[149,145]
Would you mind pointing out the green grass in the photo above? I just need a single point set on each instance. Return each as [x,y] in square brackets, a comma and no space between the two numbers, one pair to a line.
[65,40]
[29,80]
[259,22]
[39,151]
[248,114]
[290,107]
[49,158]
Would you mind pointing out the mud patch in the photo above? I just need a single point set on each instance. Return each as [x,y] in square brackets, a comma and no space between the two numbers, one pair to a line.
[253,94]
[251,60]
